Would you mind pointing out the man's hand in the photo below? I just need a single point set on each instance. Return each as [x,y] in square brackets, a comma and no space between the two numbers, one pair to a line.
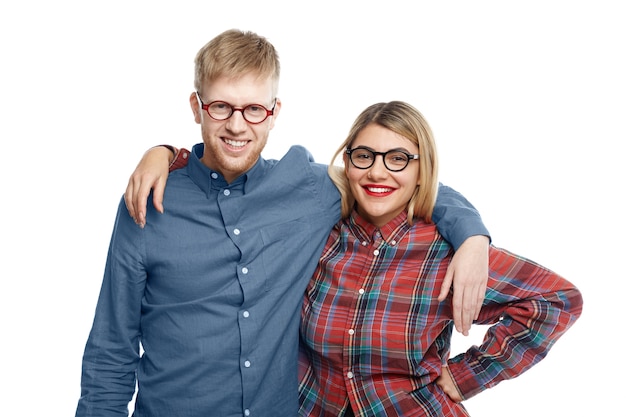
[151,173]
[468,270]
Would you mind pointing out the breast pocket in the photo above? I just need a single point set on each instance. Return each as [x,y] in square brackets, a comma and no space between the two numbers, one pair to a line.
[287,253]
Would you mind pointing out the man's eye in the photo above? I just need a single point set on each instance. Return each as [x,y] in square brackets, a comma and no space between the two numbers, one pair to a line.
[219,106]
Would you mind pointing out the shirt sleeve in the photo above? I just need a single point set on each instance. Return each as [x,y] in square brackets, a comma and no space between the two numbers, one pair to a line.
[112,351]
[456,218]
[529,308]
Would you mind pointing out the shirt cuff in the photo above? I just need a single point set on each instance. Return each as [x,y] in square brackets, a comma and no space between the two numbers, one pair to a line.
[181,158]
[466,381]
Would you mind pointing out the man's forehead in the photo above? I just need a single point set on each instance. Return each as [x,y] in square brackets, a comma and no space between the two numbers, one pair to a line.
[247,88]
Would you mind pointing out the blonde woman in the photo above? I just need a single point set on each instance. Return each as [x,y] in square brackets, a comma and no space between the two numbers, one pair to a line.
[375,339]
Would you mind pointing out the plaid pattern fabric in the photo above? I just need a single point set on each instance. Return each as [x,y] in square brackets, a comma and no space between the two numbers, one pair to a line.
[181,157]
[374,337]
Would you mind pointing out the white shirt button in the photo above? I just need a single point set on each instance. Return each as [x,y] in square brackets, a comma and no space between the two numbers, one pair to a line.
[247,364]
[244,270]
[351,331]
[393,243]
[246,314]
[214,175]
[226,192]
[246,412]
[236,232]
[350,375]
[364,243]
[361,291]
[376,252]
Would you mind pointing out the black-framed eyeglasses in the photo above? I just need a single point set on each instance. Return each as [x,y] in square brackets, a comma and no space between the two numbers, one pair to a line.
[394,160]
[252,113]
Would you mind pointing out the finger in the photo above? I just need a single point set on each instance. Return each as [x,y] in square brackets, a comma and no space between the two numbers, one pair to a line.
[445,285]
[480,298]
[469,307]
[157,197]
[457,310]
[128,200]
[140,200]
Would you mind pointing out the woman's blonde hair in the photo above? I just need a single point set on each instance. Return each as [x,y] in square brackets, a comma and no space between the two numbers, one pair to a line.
[235,53]
[407,121]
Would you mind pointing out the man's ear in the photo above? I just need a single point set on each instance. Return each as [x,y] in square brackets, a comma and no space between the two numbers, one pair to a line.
[195,107]
[277,108]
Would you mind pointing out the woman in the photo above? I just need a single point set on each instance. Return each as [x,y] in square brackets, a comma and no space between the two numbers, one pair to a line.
[374,338]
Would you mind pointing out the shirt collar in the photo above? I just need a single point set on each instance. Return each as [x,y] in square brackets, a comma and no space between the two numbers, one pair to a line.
[208,179]
[390,232]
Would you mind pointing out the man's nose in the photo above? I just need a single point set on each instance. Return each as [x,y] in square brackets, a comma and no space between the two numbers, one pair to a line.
[236,122]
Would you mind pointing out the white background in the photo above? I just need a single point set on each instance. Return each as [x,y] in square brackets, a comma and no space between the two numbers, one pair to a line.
[526,99]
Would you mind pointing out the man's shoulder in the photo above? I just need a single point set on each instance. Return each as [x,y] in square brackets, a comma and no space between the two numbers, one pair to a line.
[297,164]
[300,150]
[298,154]
[295,152]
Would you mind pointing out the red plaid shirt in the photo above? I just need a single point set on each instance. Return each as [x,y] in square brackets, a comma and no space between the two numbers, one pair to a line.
[374,337]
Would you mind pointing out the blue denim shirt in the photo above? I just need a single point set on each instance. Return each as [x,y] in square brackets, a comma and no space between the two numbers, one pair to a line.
[210,291]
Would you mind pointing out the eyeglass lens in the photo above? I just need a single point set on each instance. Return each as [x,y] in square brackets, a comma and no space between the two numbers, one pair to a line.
[364,158]
[253,113]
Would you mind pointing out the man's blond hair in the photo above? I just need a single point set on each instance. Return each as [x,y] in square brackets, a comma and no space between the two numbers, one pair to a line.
[235,53]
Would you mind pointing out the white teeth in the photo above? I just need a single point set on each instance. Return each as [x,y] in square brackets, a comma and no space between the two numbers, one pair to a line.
[379,190]
[236,143]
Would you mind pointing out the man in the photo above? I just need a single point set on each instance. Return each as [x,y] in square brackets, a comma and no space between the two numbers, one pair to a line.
[212,288]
